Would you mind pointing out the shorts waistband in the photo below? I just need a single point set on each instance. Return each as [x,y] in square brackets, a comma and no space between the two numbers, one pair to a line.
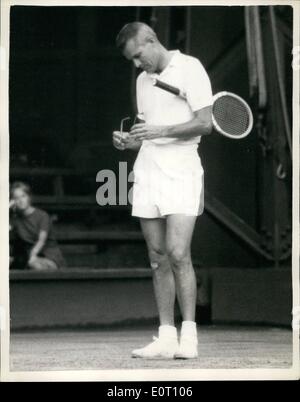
[169,146]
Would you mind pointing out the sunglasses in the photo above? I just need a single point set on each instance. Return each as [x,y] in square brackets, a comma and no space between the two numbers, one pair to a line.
[122,124]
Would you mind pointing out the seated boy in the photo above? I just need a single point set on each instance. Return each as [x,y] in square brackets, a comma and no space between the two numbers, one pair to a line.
[33,243]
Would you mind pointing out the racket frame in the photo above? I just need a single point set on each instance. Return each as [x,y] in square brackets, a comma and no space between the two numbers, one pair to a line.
[181,94]
[219,129]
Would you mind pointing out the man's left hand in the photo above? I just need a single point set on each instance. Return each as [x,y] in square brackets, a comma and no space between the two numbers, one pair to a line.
[144,131]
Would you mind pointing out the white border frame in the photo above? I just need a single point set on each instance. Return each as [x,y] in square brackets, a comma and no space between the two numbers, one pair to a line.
[134,375]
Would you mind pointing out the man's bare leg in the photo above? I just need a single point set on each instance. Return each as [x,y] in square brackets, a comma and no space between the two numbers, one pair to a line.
[178,242]
[154,231]
[166,345]
[179,236]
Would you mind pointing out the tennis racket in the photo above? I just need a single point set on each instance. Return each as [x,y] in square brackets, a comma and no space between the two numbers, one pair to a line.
[231,115]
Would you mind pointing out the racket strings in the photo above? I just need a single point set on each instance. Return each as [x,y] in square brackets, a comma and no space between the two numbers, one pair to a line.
[231,115]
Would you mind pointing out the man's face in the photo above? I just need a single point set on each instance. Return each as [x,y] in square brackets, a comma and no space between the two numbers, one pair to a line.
[143,53]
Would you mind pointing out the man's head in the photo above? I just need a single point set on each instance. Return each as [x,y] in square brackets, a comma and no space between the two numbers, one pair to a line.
[138,42]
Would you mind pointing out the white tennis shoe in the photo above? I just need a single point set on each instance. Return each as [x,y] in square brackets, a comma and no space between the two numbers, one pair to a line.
[162,347]
[188,348]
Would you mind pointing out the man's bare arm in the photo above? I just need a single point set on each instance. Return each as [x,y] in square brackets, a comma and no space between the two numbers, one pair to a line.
[200,125]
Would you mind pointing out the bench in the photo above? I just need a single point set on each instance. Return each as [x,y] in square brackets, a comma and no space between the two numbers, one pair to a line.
[57,198]
[104,297]
[81,297]
[57,201]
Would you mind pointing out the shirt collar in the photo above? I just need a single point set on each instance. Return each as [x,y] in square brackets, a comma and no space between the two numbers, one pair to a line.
[172,63]
[174,59]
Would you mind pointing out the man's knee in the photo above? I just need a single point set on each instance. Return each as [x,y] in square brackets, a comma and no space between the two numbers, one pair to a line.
[179,257]
[157,257]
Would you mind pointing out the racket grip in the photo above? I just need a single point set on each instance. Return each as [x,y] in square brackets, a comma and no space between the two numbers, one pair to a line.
[168,88]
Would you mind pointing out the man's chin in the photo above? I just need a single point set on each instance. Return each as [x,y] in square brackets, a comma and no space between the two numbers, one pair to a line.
[149,70]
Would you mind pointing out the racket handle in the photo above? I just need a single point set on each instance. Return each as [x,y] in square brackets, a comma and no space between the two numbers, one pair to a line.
[168,88]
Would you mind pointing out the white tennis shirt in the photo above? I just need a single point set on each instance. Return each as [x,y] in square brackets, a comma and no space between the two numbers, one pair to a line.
[158,107]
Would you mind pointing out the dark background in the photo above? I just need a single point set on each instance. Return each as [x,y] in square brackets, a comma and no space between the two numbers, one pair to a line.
[70,87]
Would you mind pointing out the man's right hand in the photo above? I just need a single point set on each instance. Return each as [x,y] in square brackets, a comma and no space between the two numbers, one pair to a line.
[118,140]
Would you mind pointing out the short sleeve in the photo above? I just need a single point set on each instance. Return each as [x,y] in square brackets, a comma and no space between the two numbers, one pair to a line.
[197,85]
[44,221]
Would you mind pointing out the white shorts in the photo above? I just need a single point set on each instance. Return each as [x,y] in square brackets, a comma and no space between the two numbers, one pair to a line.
[168,179]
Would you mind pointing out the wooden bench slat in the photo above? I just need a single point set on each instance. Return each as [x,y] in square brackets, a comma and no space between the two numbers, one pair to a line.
[66,199]
[69,200]
[83,273]
[40,171]
[98,235]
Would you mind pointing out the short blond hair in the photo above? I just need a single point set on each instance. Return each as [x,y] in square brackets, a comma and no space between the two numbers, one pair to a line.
[131,30]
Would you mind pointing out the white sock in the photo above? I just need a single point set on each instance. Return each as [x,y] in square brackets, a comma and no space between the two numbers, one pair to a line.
[189,329]
[167,331]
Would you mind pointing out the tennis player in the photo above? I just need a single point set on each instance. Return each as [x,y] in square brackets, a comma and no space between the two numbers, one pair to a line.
[168,178]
